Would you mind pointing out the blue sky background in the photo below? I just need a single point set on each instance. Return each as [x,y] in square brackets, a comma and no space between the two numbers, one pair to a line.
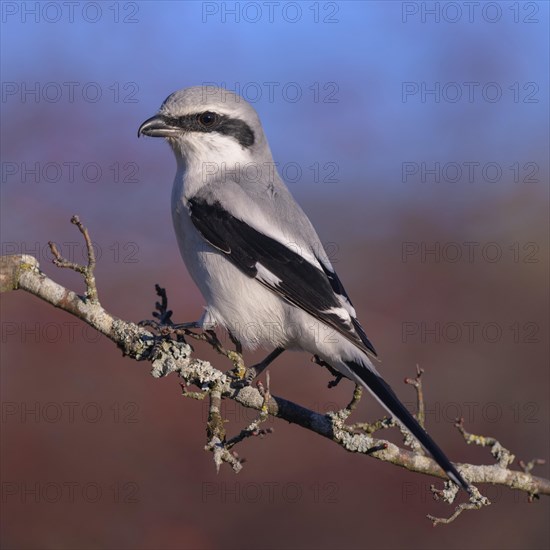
[369,50]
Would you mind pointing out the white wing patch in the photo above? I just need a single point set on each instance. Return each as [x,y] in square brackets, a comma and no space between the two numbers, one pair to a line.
[341,312]
[346,305]
[266,276]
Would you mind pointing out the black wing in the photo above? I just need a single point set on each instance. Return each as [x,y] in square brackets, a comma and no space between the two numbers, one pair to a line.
[294,278]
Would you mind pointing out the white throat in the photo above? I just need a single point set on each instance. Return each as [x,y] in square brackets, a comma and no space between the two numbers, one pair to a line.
[206,158]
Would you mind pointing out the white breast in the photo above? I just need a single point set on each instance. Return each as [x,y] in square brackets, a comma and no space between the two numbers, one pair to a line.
[253,314]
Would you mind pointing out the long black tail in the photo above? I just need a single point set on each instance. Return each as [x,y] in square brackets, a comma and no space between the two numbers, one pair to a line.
[382,391]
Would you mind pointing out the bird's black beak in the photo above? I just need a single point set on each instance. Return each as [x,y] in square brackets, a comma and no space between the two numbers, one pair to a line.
[159,126]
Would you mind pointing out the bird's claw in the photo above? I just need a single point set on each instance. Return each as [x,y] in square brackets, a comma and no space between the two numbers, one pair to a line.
[243,377]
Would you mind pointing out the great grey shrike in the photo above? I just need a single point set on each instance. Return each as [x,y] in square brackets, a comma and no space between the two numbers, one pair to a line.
[253,252]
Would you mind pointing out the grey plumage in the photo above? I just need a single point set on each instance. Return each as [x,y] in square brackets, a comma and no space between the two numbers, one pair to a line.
[253,252]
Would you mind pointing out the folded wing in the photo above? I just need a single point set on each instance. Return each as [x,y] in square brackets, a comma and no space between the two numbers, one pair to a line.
[281,268]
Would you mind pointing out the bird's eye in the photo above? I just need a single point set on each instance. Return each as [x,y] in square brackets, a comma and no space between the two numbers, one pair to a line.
[207,119]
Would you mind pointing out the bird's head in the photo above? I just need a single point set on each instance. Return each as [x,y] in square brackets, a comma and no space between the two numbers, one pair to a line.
[209,124]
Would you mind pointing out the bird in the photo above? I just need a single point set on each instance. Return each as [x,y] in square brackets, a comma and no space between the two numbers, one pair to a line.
[253,252]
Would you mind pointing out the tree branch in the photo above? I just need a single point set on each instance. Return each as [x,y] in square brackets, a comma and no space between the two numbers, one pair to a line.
[168,355]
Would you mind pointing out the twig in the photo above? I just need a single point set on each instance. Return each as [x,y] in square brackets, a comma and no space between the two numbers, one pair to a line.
[215,425]
[357,394]
[477,501]
[197,395]
[215,431]
[253,429]
[344,414]
[408,439]
[370,428]
[86,270]
[211,338]
[162,313]
[527,467]
[417,383]
[503,456]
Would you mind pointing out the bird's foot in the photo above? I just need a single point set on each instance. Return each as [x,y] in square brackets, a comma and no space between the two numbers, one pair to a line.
[243,376]
[251,373]
[337,375]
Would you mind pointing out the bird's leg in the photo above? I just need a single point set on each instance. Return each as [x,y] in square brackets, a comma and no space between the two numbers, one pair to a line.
[236,343]
[337,375]
[255,371]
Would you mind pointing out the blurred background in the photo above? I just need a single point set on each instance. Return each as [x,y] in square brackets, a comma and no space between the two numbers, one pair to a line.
[415,136]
